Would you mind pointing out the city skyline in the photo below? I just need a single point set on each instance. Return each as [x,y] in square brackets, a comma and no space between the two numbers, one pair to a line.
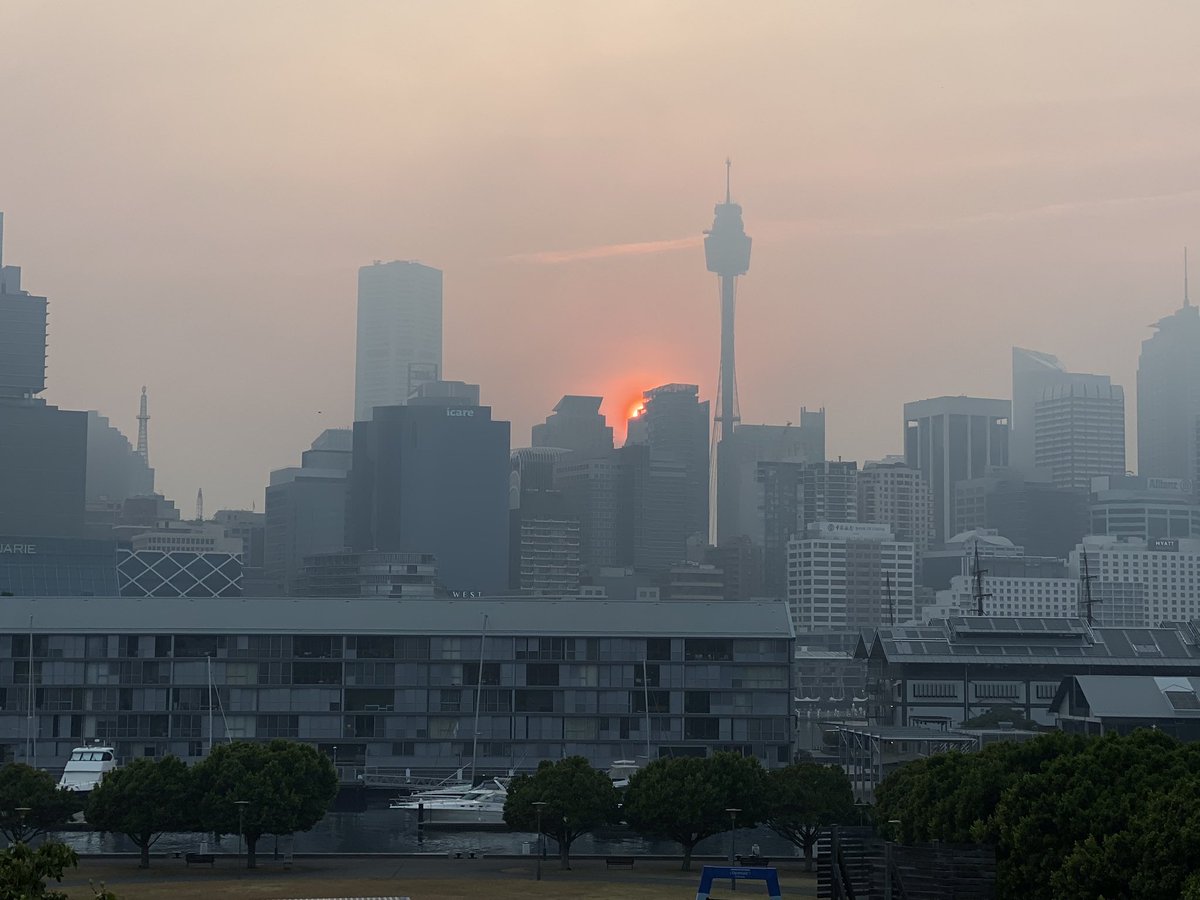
[203,235]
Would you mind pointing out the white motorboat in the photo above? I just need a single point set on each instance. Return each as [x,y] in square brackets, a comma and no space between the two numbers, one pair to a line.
[479,807]
[85,768]
[620,772]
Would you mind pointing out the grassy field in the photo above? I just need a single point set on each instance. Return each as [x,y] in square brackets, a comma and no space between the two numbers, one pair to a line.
[420,880]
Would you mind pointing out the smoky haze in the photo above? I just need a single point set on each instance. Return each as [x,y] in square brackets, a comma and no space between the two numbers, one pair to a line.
[194,187]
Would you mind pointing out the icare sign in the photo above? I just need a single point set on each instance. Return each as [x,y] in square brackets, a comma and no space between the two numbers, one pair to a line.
[456,412]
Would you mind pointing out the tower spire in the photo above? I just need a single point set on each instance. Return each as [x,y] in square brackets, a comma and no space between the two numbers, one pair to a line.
[143,445]
[1186,301]
[200,505]
[728,167]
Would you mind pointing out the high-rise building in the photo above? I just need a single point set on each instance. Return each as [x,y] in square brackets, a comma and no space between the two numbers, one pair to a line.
[433,477]
[1045,519]
[1168,397]
[1079,432]
[894,494]
[398,576]
[589,488]
[951,439]
[576,424]
[544,542]
[741,452]
[1146,508]
[115,471]
[652,512]
[306,508]
[43,451]
[844,575]
[673,423]
[791,497]
[399,333]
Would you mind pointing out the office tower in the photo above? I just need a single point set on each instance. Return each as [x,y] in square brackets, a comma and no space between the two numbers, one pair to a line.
[951,439]
[399,333]
[1168,397]
[727,254]
[589,489]
[849,575]
[1141,582]
[740,454]
[57,567]
[544,541]
[651,527]
[1144,508]
[397,576]
[250,528]
[432,477]
[892,493]
[115,471]
[673,423]
[1046,594]
[1079,433]
[1045,519]
[186,560]
[43,452]
[742,563]
[306,508]
[1070,424]
[576,424]
[791,497]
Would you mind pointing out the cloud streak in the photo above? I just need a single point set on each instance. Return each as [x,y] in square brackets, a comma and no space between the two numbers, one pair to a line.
[604,251]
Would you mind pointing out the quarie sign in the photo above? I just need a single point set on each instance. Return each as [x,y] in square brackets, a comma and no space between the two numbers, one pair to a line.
[23,549]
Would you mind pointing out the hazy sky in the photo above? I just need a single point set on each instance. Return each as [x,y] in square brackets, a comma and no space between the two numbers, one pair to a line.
[194,186]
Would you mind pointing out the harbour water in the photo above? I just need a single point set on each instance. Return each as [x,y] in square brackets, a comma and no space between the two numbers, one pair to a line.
[395,831]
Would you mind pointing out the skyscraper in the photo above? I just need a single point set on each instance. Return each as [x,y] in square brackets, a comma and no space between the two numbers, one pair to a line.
[433,477]
[894,494]
[727,254]
[1168,395]
[673,423]
[399,333]
[951,439]
[576,424]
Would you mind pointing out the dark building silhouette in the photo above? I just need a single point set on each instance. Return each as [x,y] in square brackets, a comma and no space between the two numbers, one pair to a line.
[576,424]
[544,542]
[1045,519]
[673,423]
[1168,392]
[652,514]
[432,477]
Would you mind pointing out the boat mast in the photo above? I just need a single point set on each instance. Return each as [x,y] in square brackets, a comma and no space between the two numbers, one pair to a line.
[478,692]
[30,743]
[646,692]
[208,661]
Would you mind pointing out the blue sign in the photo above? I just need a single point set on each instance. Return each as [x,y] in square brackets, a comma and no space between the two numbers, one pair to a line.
[739,873]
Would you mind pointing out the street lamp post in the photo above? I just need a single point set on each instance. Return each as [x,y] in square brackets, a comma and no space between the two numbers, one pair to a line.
[22,812]
[241,805]
[733,811]
[538,804]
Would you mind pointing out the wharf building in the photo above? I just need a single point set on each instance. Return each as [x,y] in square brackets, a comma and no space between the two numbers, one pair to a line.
[433,477]
[939,675]
[43,455]
[306,509]
[845,575]
[399,345]
[392,684]
[953,439]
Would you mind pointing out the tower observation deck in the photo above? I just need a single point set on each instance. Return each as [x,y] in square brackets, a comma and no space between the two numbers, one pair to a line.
[727,253]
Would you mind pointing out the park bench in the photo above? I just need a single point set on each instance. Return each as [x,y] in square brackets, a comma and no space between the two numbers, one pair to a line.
[198,858]
[618,862]
[752,861]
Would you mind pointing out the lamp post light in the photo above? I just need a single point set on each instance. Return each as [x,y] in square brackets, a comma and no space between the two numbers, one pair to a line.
[538,804]
[733,811]
[22,812]
[241,805]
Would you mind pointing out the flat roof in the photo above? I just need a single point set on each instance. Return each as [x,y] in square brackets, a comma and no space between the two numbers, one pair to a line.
[575,617]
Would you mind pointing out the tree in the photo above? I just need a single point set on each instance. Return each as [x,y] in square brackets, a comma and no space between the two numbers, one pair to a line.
[685,799]
[1002,717]
[805,798]
[287,787]
[143,800]
[578,798]
[25,870]
[31,802]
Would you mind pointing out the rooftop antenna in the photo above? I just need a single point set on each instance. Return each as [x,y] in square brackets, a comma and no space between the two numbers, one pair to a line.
[729,167]
[979,594]
[1186,300]
[143,419]
[1085,584]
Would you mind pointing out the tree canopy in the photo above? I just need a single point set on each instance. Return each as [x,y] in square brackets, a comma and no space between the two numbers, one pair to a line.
[31,802]
[805,798]
[286,787]
[685,799]
[578,798]
[24,870]
[143,800]
[1070,817]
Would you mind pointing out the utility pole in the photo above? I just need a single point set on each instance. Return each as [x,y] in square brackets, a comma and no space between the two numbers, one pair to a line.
[1085,588]
[978,592]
